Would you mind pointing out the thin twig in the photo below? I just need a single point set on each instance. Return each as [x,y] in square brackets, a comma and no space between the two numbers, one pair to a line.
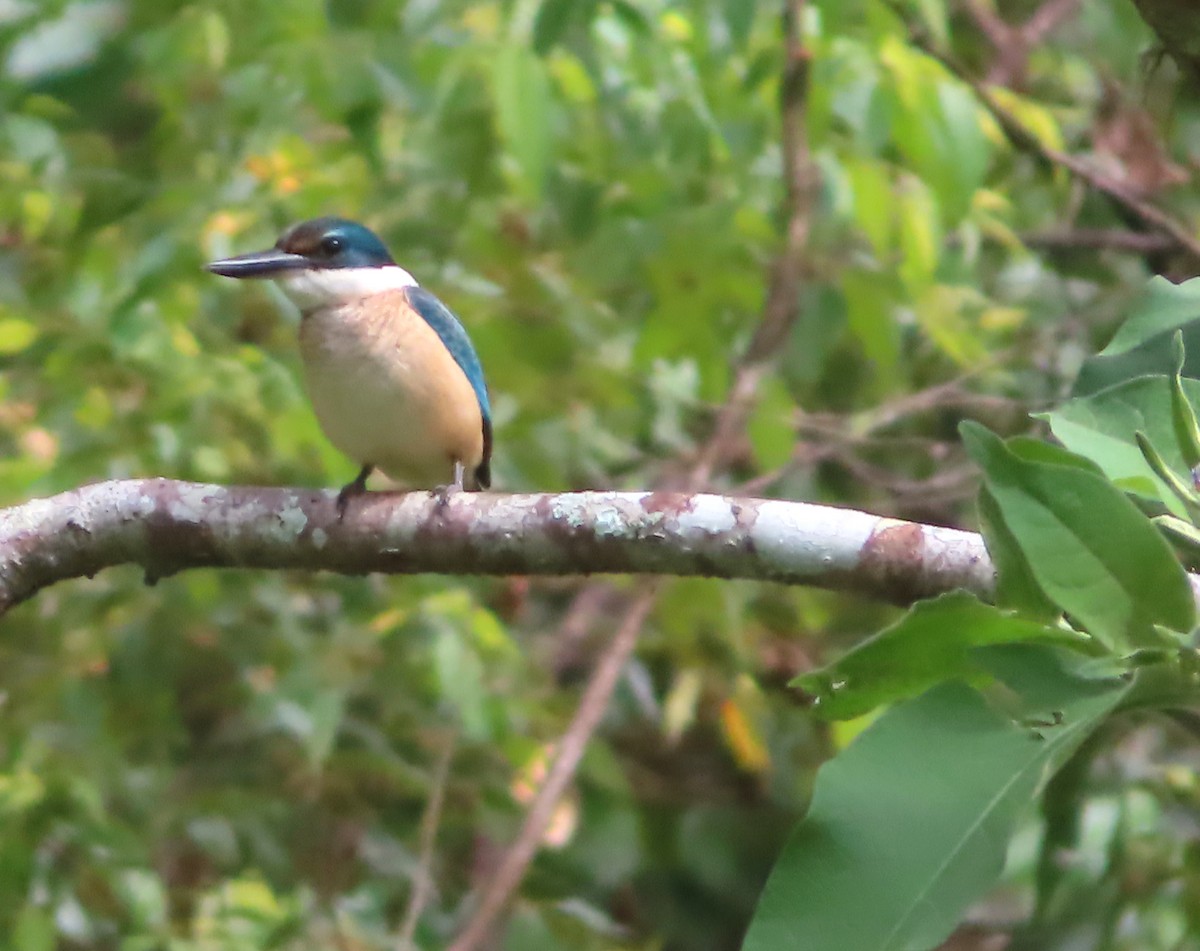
[423,878]
[781,310]
[568,753]
[1099,239]
[1046,18]
[1013,43]
[1026,141]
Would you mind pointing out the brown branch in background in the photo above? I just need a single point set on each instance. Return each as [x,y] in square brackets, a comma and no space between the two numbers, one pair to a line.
[1099,239]
[781,309]
[780,312]
[1046,19]
[579,620]
[568,752]
[1014,43]
[423,882]
[1022,138]
[849,440]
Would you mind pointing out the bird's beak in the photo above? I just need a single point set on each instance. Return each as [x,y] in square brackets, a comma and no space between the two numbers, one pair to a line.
[268,263]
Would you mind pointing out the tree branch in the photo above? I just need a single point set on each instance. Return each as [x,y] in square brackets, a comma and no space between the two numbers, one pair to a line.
[1013,43]
[1023,139]
[167,526]
[1099,239]
[571,748]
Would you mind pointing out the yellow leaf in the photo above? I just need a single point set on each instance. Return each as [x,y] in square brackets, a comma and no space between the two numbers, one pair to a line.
[387,621]
[37,210]
[16,334]
[844,732]
[743,738]
[1034,117]
[572,78]
[920,235]
[944,312]
[184,342]
[1002,318]
[95,410]
[679,710]
[676,27]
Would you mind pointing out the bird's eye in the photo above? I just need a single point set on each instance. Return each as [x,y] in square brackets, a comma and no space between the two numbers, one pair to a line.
[331,245]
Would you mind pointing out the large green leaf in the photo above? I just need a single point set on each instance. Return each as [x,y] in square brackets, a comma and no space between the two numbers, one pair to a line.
[1144,343]
[1087,545]
[1163,307]
[1016,586]
[910,823]
[929,645]
[938,127]
[555,17]
[1102,426]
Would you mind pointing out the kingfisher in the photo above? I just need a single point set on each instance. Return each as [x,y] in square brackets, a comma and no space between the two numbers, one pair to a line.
[391,373]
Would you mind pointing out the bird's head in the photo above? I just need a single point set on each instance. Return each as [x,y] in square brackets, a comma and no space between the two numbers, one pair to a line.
[322,262]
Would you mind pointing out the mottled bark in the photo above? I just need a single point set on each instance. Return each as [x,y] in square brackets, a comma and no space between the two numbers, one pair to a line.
[167,526]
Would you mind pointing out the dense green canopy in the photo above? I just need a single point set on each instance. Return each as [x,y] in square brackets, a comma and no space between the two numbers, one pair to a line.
[242,760]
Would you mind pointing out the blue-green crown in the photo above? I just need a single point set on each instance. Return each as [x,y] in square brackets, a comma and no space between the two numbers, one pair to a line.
[334,243]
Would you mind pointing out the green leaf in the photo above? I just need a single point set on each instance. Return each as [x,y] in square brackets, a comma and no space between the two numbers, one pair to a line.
[943,311]
[1164,306]
[933,16]
[554,18]
[962,148]
[772,426]
[523,104]
[1016,586]
[1182,491]
[870,306]
[1088,546]
[920,236]
[739,18]
[1102,427]
[1183,412]
[871,185]
[1145,343]
[1035,117]
[632,16]
[1184,533]
[460,676]
[327,710]
[938,127]
[1044,679]
[902,835]
[34,930]
[930,644]
[1028,449]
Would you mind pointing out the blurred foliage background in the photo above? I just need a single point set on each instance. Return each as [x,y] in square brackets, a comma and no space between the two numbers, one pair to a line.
[237,760]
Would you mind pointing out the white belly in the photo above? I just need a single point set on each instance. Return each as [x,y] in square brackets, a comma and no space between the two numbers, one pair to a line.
[384,396]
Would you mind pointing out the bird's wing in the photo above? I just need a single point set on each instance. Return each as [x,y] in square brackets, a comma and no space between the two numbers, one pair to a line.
[454,336]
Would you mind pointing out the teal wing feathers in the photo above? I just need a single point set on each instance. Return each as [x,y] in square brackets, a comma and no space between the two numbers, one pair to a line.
[454,336]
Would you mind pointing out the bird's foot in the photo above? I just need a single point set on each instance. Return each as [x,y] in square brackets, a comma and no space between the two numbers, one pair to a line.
[351,489]
[443,493]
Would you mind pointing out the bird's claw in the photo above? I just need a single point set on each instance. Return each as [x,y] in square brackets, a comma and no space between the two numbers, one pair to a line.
[343,499]
[444,493]
[351,489]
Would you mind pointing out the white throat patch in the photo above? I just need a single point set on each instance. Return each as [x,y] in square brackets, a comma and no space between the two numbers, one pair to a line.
[324,287]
